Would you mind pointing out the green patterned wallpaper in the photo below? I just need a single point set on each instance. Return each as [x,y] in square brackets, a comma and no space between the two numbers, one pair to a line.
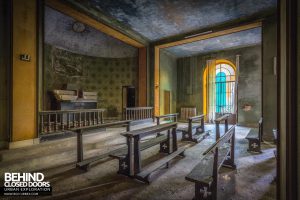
[103,75]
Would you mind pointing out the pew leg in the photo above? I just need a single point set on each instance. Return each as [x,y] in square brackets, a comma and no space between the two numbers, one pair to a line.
[202,192]
[254,145]
[124,166]
[165,146]
[185,136]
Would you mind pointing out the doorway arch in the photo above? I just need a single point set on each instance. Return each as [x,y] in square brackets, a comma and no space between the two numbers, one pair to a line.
[224,78]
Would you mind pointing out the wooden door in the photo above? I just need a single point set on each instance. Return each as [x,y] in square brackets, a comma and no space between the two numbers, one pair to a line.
[167,101]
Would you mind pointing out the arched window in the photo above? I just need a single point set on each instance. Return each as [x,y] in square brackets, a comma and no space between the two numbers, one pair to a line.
[225,85]
[219,88]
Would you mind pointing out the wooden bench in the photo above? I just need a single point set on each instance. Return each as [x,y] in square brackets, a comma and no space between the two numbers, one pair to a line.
[173,117]
[194,132]
[254,138]
[218,121]
[130,163]
[205,173]
[85,164]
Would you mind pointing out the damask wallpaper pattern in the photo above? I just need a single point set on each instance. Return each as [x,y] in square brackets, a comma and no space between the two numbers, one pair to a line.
[103,75]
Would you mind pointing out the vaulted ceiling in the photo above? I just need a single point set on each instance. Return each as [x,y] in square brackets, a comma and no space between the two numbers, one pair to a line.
[158,19]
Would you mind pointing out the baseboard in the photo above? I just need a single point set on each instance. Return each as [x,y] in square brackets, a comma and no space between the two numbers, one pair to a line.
[23,143]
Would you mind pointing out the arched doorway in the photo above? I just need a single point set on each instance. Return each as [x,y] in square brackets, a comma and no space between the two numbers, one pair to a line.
[219,88]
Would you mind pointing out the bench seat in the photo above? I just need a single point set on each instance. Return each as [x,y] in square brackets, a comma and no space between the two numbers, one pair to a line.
[186,128]
[144,175]
[119,153]
[203,171]
[254,140]
[254,137]
[253,134]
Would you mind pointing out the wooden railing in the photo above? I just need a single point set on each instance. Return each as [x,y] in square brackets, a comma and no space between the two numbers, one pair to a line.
[61,120]
[138,113]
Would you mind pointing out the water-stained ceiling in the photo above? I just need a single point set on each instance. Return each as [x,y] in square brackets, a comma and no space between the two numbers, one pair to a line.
[60,33]
[244,38]
[158,19]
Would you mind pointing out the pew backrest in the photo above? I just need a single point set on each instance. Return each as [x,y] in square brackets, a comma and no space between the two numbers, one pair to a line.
[173,116]
[150,130]
[221,141]
[104,125]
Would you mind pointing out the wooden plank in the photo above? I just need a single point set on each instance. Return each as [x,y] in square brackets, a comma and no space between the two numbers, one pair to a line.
[104,125]
[253,134]
[149,130]
[222,118]
[203,171]
[167,116]
[200,137]
[185,129]
[155,165]
[212,34]
[144,145]
[196,117]
[221,140]
[62,7]
[142,77]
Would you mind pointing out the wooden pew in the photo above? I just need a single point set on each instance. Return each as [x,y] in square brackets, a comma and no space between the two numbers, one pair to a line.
[194,132]
[254,138]
[130,158]
[205,174]
[173,117]
[218,121]
[85,163]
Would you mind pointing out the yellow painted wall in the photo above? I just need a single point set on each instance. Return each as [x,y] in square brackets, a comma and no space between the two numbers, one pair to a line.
[24,73]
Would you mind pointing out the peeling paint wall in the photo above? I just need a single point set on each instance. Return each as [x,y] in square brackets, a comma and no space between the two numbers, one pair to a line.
[168,80]
[190,85]
[103,75]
